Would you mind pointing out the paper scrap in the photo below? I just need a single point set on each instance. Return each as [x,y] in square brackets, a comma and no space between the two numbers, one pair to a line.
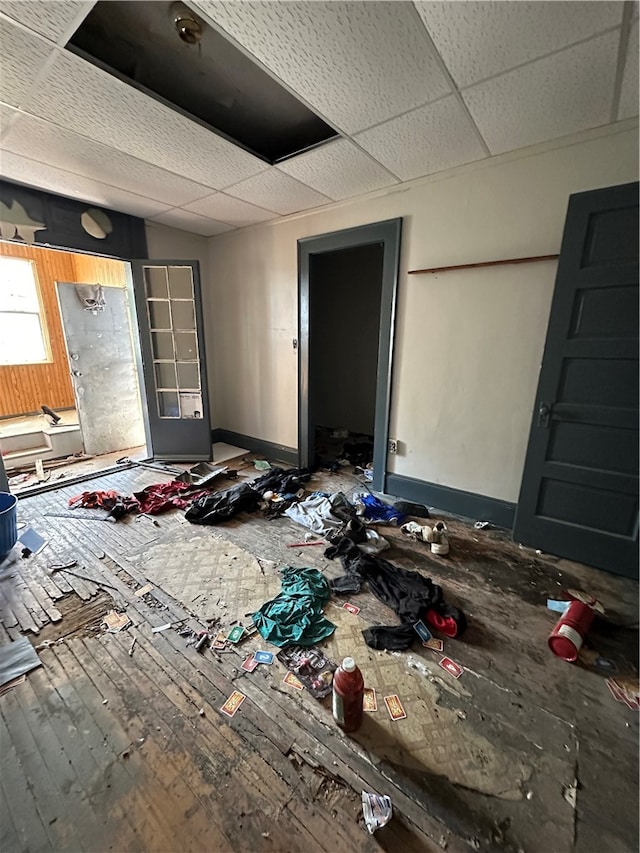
[116,621]
[144,590]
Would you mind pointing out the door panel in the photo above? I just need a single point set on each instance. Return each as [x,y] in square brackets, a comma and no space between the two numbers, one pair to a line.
[579,495]
[169,310]
[103,370]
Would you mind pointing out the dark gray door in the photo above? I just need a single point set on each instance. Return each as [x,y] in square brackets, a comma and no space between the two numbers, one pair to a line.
[579,495]
[103,370]
[169,311]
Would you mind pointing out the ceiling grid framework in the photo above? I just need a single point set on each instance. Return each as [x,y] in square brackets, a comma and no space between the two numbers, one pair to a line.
[412,89]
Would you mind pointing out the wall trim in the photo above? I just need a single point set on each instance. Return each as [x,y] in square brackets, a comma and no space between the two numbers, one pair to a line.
[279,452]
[468,504]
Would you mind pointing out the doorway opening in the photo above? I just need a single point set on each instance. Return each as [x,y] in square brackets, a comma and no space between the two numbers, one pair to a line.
[347,283]
[71,400]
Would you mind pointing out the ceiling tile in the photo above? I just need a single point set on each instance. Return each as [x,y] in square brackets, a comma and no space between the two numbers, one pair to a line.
[48,143]
[358,64]
[427,140]
[51,19]
[234,212]
[276,191]
[21,58]
[629,93]
[193,223]
[24,171]
[84,98]
[480,39]
[339,170]
[555,96]
[7,116]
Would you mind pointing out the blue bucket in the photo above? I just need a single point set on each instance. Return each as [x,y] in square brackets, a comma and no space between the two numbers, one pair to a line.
[8,523]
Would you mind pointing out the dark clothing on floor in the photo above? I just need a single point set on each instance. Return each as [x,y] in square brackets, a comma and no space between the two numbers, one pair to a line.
[282,482]
[408,594]
[221,506]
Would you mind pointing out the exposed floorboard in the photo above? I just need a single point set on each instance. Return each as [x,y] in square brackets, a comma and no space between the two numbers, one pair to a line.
[104,748]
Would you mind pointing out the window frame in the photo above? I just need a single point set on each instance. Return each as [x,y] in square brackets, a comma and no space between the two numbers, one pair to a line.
[40,314]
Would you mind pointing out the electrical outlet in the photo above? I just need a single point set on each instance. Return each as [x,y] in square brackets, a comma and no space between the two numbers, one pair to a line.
[392,445]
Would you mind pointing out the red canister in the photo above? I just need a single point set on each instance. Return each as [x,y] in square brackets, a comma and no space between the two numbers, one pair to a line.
[570,630]
[348,693]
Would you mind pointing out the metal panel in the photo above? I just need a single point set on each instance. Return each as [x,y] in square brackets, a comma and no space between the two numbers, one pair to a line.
[103,370]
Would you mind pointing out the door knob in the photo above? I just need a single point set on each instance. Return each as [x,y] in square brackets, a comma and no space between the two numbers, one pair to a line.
[544,415]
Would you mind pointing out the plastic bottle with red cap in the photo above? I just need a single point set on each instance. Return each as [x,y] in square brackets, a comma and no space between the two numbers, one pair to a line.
[348,693]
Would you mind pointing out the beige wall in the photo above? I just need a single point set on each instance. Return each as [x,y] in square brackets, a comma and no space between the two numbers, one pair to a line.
[468,344]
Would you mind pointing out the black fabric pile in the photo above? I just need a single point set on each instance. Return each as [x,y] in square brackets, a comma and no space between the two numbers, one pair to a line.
[408,594]
[245,497]
[222,506]
[283,482]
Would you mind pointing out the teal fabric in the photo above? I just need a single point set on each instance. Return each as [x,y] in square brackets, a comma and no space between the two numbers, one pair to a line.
[295,615]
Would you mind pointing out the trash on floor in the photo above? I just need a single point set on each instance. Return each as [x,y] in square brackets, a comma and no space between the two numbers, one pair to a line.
[115,621]
[409,594]
[376,811]
[625,690]
[557,606]
[295,614]
[232,704]
[313,669]
[395,707]
[17,659]
[160,628]
[570,630]
[31,541]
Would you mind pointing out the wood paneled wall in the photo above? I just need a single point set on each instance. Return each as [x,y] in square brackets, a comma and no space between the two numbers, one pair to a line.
[26,387]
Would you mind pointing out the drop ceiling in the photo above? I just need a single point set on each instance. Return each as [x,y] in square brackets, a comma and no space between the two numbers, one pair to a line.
[411,89]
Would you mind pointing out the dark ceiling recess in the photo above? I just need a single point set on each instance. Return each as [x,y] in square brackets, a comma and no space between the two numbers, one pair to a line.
[167,51]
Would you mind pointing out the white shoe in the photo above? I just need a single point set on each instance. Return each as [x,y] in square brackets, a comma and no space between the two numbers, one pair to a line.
[440,539]
[417,532]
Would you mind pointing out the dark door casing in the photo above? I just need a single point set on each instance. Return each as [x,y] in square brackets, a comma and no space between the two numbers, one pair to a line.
[579,493]
[388,233]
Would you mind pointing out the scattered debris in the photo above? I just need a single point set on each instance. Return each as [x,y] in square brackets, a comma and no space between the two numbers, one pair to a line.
[261,465]
[311,667]
[32,541]
[232,704]
[292,681]
[376,810]
[451,667]
[369,700]
[164,627]
[484,525]
[143,590]
[249,664]
[235,634]
[625,690]
[395,707]
[115,621]
[17,659]
[201,712]
[557,606]
[133,642]
[569,792]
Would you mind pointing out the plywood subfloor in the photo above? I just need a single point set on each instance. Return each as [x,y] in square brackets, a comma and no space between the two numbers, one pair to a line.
[112,752]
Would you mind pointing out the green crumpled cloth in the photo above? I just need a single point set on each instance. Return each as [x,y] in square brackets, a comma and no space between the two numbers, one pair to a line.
[295,616]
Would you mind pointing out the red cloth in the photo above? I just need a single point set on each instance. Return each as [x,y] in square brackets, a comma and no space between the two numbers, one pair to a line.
[151,501]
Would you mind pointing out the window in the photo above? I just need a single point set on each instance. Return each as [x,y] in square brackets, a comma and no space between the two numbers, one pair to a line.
[22,334]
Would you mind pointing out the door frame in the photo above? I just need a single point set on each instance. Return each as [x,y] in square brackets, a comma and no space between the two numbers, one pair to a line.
[389,234]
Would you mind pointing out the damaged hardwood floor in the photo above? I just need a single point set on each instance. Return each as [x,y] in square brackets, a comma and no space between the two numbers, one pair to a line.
[110,746]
